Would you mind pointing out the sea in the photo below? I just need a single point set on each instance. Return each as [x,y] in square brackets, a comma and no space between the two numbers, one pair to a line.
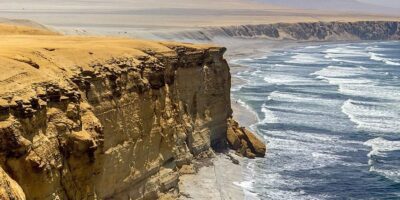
[330,115]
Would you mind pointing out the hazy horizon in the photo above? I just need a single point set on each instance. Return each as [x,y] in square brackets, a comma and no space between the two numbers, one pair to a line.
[386,7]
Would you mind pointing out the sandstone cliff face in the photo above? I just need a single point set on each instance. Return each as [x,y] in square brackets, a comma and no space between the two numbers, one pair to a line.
[313,31]
[102,118]
[9,189]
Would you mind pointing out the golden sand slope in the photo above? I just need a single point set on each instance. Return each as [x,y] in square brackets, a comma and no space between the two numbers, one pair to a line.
[29,56]
[9,29]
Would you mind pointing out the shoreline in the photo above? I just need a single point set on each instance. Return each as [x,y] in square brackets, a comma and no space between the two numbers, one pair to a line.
[244,115]
[262,48]
[219,177]
[215,178]
[203,184]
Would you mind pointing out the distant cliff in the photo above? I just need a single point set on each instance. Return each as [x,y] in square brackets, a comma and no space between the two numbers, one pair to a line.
[108,118]
[315,31]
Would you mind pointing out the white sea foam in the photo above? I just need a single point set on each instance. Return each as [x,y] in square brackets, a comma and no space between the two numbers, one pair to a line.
[281,79]
[352,81]
[269,116]
[375,48]
[240,61]
[342,82]
[316,151]
[345,52]
[380,147]
[312,47]
[336,71]
[236,88]
[372,116]
[371,91]
[393,174]
[247,190]
[291,151]
[298,98]
[343,75]
[378,57]
[304,58]
[347,61]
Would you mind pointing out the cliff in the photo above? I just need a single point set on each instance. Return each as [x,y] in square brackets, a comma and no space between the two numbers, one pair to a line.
[106,118]
[308,31]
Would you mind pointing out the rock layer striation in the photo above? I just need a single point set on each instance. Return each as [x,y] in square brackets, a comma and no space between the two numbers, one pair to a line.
[106,118]
[307,31]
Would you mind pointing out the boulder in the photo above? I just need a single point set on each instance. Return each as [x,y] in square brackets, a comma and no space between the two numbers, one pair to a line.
[243,141]
[233,139]
[256,145]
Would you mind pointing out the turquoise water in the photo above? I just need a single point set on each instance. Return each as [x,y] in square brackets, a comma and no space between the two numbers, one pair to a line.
[331,117]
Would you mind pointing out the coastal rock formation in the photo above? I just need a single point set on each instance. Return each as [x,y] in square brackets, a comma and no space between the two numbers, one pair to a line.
[311,31]
[9,189]
[107,118]
[243,141]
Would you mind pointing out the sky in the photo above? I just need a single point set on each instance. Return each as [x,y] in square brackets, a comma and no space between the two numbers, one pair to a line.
[391,7]
[385,3]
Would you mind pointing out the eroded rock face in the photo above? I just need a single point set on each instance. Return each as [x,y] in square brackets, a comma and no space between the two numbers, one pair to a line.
[243,141]
[108,123]
[308,31]
[9,189]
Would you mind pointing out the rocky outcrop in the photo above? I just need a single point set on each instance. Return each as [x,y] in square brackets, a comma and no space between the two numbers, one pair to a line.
[9,189]
[243,141]
[106,118]
[313,31]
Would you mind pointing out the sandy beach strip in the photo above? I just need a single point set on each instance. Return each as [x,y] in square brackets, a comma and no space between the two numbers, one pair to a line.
[216,180]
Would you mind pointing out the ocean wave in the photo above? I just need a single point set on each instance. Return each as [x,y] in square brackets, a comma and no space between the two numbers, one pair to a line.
[373,117]
[335,75]
[236,88]
[247,187]
[269,117]
[357,81]
[304,58]
[299,98]
[377,57]
[375,48]
[336,71]
[248,183]
[392,174]
[311,141]
[380,148]
[240,61]
[312,47]
[280,79]
[345,52]
[386,93]
[342,82]
[294,151]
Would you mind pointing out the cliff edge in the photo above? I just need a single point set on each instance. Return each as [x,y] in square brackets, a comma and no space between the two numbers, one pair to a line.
[299,31]
[106,118]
